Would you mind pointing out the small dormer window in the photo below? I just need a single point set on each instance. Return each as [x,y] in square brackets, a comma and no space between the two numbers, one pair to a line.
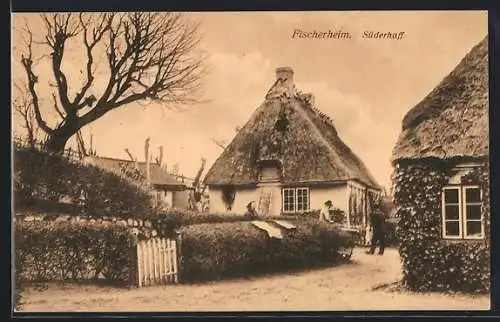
[269,171]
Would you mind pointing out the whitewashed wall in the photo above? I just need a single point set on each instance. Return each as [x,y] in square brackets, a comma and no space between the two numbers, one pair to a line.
[276,201]
[337,194]
[318,195]
[242,197]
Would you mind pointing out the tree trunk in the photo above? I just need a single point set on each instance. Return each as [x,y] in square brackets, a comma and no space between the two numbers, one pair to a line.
[56,141]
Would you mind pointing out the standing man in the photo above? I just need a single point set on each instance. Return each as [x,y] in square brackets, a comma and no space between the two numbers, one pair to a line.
[377,221]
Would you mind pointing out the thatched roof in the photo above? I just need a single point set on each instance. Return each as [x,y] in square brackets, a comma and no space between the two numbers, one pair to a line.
[310,151]
[158,175]
[451,121]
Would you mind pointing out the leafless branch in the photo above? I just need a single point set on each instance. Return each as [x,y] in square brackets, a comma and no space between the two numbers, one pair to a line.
[23,106]
[150,57]
[32,79]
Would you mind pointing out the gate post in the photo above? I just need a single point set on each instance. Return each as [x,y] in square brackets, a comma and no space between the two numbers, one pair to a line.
[178,246]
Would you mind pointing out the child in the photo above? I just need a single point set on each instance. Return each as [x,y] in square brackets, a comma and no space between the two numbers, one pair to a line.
[251,212]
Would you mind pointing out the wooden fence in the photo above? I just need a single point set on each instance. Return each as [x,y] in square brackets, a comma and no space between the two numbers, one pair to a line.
[157,261]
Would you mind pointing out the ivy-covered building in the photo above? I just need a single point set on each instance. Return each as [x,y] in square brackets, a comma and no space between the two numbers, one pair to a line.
[441,182]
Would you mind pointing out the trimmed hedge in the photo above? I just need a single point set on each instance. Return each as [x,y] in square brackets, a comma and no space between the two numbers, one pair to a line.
[429,262]
[42,180]
[214,251]
[175,219]
[47,251]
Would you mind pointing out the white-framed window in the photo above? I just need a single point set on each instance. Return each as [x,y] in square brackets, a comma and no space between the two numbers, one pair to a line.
[296,199]
[461,212]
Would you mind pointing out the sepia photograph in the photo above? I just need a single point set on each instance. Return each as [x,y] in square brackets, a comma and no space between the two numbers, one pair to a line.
[273,161]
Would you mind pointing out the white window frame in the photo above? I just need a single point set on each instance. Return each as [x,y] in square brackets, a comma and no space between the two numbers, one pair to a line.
[295,199]
[465,219]
[462,212]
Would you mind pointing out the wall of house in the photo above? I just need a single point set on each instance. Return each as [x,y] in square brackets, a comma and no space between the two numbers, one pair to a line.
[418,198]
[242,197]
[337,194]
[180,199]
[360,199]
[165,195]
[318,195]
[276,195]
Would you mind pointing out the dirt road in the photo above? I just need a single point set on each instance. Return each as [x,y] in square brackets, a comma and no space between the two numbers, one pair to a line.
[344,287]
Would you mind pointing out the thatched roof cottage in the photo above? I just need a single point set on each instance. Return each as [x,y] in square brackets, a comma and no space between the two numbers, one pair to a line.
[441,179]
[289,158]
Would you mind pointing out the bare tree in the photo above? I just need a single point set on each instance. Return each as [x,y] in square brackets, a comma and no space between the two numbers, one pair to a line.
[23,107]
[196,194]
[150,57]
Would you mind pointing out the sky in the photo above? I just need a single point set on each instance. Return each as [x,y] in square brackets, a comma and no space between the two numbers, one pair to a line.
[365,85]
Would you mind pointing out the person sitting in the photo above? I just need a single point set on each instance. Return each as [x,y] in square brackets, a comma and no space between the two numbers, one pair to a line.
[251,212]
[324,214]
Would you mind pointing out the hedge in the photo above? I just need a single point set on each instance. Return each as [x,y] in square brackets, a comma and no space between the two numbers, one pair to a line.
[176,218]
[215,251]
[429,262]
[47,251]
[43,180]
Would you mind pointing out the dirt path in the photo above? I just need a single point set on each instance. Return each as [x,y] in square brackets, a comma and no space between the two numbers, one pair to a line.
[344,287]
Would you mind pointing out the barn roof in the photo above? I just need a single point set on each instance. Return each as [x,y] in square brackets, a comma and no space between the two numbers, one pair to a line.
[158,174]
[452,120]
[310,151]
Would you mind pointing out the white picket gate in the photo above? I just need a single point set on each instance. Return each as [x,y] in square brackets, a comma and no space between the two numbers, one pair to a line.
[157,261]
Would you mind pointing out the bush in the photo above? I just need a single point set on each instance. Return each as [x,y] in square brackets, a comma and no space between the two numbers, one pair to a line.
[48,251]
[429,262]
[44,179]
[214,251]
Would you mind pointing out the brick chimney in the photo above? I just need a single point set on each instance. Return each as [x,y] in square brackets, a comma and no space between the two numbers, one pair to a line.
[285,73]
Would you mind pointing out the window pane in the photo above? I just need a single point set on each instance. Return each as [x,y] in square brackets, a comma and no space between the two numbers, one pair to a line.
[289,206]
[451,195]
[451,212]
[473,212]
[452,228]
[473,228]
[288,199]
[302,199]
[472,195]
